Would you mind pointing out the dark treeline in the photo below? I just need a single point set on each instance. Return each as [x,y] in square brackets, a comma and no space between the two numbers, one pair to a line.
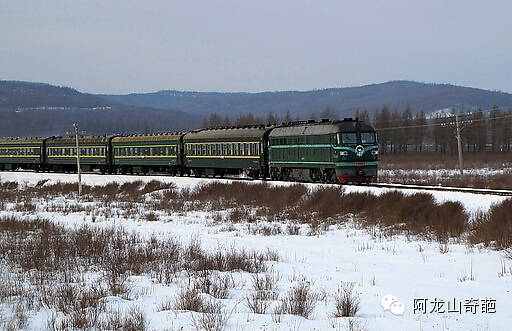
[403,132]
[407,131]
[217,121]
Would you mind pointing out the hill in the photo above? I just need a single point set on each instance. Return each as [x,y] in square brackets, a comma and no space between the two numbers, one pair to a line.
[42,109]
[29,109]
[344,101]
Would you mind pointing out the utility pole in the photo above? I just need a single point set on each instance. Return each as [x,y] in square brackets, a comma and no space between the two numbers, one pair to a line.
[75,125]
[459,145]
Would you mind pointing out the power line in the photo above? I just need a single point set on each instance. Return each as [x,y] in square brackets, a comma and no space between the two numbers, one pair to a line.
[441,124]
[447,115]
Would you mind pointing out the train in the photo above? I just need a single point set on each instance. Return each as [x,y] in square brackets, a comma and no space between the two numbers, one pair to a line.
[338,151]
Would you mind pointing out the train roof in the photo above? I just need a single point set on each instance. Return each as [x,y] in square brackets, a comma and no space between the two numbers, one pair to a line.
[148,137]
[81,139]
[318,128]
[21,140]
[254,131]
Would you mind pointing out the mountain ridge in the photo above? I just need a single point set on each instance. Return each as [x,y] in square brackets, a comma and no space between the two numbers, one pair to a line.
[344,100]
[28,108]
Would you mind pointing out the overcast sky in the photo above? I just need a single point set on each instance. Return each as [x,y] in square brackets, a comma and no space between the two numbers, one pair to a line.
[141,46]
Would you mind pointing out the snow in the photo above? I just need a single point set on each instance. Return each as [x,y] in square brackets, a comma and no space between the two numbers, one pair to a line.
[406,267]
[441,173]
[472,202]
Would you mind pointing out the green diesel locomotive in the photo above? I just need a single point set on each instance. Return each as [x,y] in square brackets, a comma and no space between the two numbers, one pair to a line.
[339,151]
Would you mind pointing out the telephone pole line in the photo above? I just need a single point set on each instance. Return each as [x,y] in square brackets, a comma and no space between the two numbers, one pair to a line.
[459,145]
[75,125]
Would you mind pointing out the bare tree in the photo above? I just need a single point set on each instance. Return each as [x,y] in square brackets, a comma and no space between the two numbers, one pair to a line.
[362,115]
[287,117]
[329,113]
[272,118]
[494,127]
[420,130]
[226,121]
[405,136]
[382,121]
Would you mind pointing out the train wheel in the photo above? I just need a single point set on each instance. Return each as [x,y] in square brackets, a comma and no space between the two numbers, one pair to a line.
[332,176]
[315,175]
[274,174]
[326,176]
[287,176]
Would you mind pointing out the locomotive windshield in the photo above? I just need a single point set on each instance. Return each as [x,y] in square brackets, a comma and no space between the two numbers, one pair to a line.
[349,137]
[367,137]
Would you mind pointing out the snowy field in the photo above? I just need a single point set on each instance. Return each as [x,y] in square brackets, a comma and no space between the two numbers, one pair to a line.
[442,173]
[462,287]
[478,178]
[472,202]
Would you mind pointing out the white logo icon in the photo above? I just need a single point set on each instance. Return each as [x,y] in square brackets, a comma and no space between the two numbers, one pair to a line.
[391,303]
[397,308]
[359,150]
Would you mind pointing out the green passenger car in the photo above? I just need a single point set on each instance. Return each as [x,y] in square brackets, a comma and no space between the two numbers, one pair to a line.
[338,151]
[24,153]
[94,153]
[222,151]
[142,153]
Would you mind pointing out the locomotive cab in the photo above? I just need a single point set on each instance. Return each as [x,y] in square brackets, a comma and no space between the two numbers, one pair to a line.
[357,158]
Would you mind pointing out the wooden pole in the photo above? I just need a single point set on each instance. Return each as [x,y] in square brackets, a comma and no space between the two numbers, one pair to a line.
[459,145]
[75,125]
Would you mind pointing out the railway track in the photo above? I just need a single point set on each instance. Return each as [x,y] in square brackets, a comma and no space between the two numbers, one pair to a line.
[444,189]
[417,187]
[377,185]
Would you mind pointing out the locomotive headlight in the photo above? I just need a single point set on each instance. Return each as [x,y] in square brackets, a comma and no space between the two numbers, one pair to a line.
[375,152]
[343,153]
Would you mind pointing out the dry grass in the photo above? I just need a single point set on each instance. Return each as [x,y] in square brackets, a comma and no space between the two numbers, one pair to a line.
[347,302]
[265,291]
[218,286]
[494,228]
[402,167]
[189,299]
[211,318]
[256,204]
[428,161]
[300,300]
[45,262]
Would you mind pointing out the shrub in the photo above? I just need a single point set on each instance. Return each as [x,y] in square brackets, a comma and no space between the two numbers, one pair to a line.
[217,286]
[300,300]
[211,318]
[189,299]
[494,227]
[257,302]
[346,301]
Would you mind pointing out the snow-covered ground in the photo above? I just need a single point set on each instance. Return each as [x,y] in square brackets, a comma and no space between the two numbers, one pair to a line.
[408,268]
[442,173]
[472,202]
